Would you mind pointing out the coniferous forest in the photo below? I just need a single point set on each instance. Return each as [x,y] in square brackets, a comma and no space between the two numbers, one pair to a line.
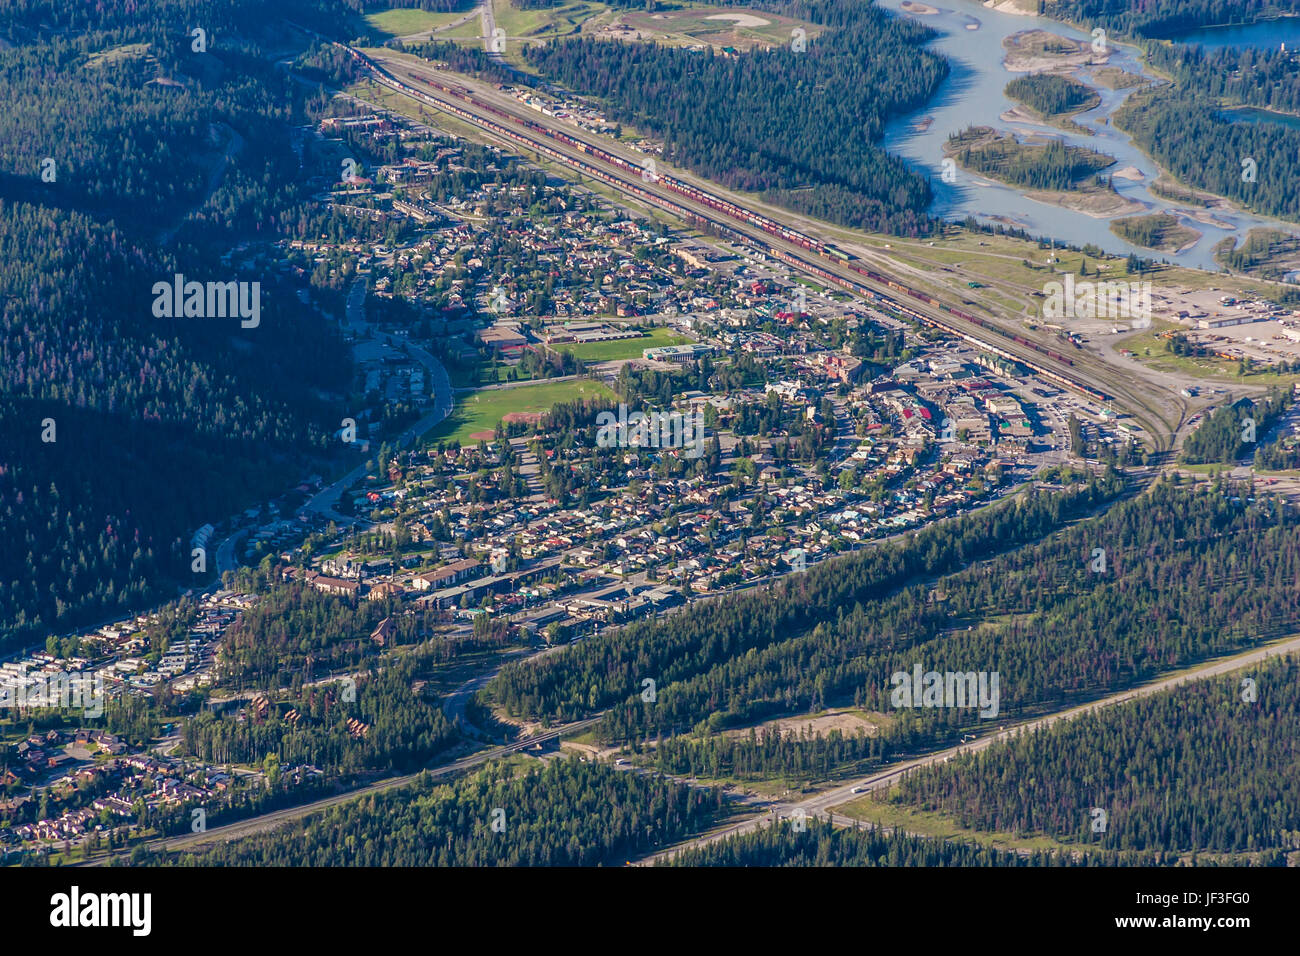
[821,844]
[798,127]
[565,813]
[1210,767]
[126,432]
[1055,630]
[402,715]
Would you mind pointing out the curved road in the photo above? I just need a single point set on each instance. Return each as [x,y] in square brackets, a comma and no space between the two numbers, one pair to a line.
[443,402]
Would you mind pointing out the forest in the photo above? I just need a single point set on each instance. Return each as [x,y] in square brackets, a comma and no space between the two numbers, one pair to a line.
[1231,432]
[604,670]
[803,757]
[299,633]
[1051,94]
[1056,631]
[1053,165]
[385,721]
[1265,251]
[1265,78]
[800,128]
[1255,164]
[1282,454]
[821,844]
[1164,19]
[1153,231]
[564,813]
[1208,766]
[126,433]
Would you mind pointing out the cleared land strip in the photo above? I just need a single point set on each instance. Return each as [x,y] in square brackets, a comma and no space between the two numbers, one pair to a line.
[821,804]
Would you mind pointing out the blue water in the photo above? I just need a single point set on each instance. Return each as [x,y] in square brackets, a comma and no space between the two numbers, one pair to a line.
[971,38]
[1267,34]
[1250,114]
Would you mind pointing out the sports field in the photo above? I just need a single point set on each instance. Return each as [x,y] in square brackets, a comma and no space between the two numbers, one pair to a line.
[616,349]
[477,414]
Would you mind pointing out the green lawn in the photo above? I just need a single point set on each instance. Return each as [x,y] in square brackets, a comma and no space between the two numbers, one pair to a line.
[401,22]
[928,823]
[481,411]
[472,31]
[128,51]
[624,348]
[565,19]
[1205,366]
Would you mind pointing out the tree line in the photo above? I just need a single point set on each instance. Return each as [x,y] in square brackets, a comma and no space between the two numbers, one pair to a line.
[603,671]
[565,813]
[1206,766]
[799,127]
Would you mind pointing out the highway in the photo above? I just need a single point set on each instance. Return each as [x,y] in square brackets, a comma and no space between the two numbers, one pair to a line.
[1157,407]
[822,804]
[242,828]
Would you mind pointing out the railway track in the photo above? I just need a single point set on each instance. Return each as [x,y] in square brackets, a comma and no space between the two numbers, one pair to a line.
[806,253]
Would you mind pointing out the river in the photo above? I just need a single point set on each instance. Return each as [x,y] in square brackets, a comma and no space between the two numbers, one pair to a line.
[970,37]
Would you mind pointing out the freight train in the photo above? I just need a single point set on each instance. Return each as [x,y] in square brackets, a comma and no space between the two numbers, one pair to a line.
[647,175]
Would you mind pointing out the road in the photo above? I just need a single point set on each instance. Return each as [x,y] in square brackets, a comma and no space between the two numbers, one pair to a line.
[821,804]
[226,560]
[243,828]
[430,34]
[234,144]
[1159,408]
[489,28]
[455,705]
[323,501]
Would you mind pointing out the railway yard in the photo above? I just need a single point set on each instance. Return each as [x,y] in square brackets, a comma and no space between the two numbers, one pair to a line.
[1156,401]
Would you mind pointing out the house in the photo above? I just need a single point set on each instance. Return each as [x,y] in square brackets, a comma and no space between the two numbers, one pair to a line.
[329,585]
[384,590]
[383,632]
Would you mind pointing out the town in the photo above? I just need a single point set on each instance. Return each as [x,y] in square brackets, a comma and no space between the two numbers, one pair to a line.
[827,424]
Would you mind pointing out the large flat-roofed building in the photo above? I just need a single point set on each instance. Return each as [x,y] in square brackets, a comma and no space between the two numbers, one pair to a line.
[1224,322]
[676,353]
[502,337]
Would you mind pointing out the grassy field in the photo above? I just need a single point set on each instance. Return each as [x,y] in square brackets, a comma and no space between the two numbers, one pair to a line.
[566,19]
[738,27]
[481,411]
[401,22]
[128,51]
[624,348]
[931,824]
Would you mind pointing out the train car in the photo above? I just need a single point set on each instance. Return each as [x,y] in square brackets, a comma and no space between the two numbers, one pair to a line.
[729,209]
